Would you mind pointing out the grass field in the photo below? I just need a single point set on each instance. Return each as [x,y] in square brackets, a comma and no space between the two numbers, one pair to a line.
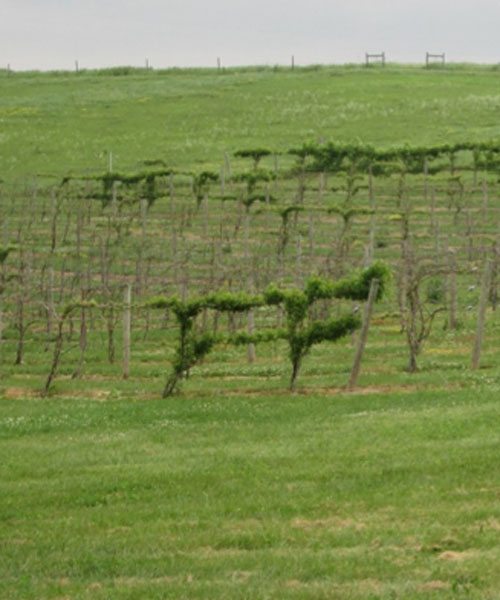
[236,488]
[390,495]
[55,123]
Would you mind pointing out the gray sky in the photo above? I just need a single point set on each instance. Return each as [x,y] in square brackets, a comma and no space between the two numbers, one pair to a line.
[52,34]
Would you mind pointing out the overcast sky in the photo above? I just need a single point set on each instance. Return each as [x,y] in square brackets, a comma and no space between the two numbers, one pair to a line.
[52,34]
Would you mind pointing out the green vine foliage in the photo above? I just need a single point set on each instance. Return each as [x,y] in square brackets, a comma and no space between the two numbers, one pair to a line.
[146,180]
[193,345]
[4,253]
[201,184]
[256,154]
[301,332]
[253,178]
[357,286]
[357,157]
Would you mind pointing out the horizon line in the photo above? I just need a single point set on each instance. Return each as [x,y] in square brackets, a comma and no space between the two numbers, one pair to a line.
[219,67]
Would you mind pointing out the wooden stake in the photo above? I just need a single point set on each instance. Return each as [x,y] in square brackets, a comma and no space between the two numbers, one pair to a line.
[367,315]
[83,336]
[205,216]
[251,331]
[1,330]
[276,167]
[371,246]
[50,302]
[321,187]
[426,174]
[311,238]
[483,301]
[299,260]
[485,198]
[227,163]
[251,316]
[127,299]
[433,210]
[453,288]
[53,219]
[222,181]
[446,280]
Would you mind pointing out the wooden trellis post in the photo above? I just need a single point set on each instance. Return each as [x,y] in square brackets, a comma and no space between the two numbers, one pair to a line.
[483,301]
[367,315]
[452,261]
[1,329]
[127,310]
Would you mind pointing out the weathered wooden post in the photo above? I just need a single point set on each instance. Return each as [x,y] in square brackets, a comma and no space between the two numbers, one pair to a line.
[1,329]
[484,207]
[483,301]
[127,310]
[82,343]
[371,191]
[251,315]
[299,260]
[367,315]
[452,260]
[433,211]
[50,302]
[311,239]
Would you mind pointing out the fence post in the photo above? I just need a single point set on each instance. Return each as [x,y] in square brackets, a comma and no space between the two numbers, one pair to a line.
[371,243]
[1,330]
[367,315]
[484,207]
[483,301]
[452,260]
[50,302]
[127,299]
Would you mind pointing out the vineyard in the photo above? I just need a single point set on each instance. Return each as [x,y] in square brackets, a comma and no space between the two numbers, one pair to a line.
[82,253]
[237,359]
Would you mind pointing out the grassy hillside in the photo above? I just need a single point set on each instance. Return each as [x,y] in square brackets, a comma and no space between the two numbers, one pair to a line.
[57,122]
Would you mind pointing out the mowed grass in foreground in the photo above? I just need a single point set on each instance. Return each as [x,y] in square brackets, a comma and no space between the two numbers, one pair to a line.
[257,496]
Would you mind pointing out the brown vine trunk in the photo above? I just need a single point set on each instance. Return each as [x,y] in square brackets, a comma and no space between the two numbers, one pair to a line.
[55,359]
[295,373]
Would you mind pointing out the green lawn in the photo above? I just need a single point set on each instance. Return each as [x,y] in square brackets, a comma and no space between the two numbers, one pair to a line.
[252,496]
